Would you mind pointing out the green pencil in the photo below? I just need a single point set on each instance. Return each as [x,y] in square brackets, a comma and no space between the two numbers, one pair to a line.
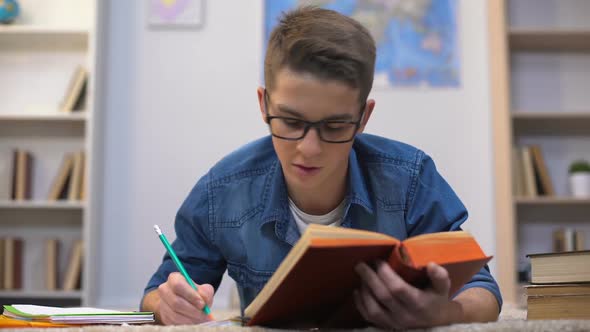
[179,265]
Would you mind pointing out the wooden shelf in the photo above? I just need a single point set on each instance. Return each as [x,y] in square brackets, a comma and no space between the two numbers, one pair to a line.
[551,123]
[554,210]
[49,117]
[34,37]
[550,200]
[46,124]
[26,29]
[549,40]
[42,205]
[41,294]
[43,297]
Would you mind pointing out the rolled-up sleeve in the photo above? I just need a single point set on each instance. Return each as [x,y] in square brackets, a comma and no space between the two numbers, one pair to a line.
[433,206]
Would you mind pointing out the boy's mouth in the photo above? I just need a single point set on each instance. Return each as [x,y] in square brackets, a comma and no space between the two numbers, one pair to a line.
[306,170]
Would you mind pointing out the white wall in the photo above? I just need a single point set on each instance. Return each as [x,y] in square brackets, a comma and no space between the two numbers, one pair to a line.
[170,95]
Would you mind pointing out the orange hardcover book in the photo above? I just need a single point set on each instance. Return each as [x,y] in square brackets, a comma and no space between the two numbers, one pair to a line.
[7,322]
[314,284]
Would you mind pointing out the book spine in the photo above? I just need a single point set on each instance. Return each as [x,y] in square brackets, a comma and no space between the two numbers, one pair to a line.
[568,239]
[2,261]
[579,241]
[402,264]
[529,172]
[28,192]
[74,267]
[545,184]
[13,248]
[51,261]
[14,175]
[18,264]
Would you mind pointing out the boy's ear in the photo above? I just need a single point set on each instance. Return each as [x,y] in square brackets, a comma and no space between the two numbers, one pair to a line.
[367,114]
[260,93]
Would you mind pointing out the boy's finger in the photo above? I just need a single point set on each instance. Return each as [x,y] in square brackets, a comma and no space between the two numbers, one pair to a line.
[439,277]
[206,292]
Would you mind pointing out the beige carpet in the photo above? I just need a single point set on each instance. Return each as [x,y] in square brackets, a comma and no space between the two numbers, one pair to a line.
[511,319]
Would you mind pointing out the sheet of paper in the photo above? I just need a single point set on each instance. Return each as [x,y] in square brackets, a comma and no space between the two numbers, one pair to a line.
[50,311]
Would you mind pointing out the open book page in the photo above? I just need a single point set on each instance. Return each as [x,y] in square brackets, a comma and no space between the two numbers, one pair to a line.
[318,231]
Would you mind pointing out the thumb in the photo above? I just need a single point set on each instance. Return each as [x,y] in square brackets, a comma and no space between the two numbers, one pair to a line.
[207,291]
[439,278]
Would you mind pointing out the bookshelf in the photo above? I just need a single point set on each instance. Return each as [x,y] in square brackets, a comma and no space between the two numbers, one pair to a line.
[38,55]
[540,66]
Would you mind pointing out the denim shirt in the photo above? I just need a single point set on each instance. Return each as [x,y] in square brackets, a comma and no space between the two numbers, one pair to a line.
[237,216]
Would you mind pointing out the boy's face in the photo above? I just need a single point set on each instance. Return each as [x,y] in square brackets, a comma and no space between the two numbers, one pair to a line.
[310,164]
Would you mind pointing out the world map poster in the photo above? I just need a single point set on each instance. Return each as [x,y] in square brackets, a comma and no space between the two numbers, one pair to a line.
[417,40]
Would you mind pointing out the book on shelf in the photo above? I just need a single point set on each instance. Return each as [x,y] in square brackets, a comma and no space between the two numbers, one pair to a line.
[568,239]
[315,281]
[579,240]
[76,177]
[22,168]
[558,301]
[12,263]
[75,92]
[83,179]
[528,172]
[2,258]
[69,181]
[59,186]
[73,273]
[6,156]
[561,267]
[518,182]
[543,180]
[52,247]
[75,315]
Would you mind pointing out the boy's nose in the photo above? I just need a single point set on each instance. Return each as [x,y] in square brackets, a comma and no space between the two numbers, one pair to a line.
[310,144]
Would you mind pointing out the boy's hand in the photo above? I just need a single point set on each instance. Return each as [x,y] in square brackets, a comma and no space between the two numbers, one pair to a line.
[387,301]
[180,304]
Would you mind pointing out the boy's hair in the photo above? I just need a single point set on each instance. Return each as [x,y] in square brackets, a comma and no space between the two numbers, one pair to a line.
[324,43]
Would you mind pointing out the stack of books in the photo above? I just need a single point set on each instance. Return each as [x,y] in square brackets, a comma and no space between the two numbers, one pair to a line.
[24,315]
[560,286]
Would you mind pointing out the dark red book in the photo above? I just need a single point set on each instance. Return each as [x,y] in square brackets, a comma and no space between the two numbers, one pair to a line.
[313,286]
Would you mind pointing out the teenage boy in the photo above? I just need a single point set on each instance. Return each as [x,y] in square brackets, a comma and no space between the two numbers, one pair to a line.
[246,213]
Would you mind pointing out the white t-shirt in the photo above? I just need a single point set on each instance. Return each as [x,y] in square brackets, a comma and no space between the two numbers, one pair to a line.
[332,218]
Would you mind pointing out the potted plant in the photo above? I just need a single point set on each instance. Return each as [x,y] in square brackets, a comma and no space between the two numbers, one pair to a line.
[579,178]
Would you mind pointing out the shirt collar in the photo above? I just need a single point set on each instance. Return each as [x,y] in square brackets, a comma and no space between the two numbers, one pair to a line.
[357,186]
[276,198]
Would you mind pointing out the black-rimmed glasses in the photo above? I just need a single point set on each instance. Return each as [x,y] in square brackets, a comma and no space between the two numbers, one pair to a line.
[331,131]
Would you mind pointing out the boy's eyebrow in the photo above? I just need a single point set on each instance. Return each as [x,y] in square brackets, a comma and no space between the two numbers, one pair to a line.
[294,113]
